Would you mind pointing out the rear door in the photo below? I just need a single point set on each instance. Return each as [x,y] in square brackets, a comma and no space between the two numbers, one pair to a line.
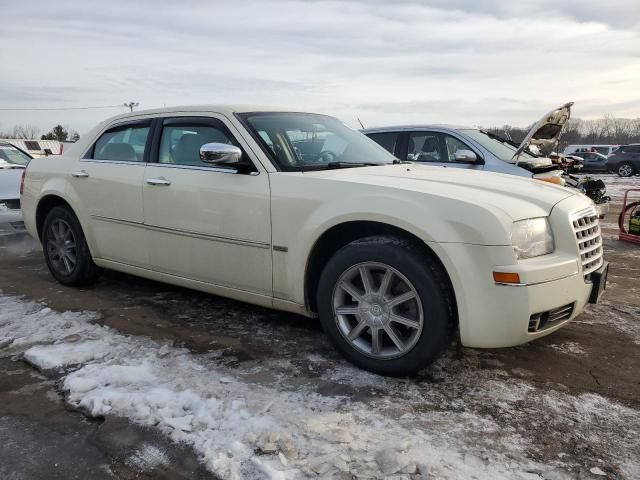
[388,140]
[108,182]
[206,223]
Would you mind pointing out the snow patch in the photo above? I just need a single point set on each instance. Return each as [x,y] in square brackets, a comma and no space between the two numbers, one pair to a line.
[246,429]
[147,458]
[571,348]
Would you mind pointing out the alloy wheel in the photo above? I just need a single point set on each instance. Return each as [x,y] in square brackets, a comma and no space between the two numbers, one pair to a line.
[625,170]
[62,247]
[378,310]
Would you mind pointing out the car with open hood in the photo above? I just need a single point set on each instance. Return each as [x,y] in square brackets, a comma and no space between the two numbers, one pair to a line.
[296,212]
[476,149]
[12,163]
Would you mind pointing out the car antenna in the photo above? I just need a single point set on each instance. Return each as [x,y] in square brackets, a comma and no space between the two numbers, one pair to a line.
[360,122]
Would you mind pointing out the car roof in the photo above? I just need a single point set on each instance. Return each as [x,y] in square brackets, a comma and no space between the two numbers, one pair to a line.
[224,109]
[394,128]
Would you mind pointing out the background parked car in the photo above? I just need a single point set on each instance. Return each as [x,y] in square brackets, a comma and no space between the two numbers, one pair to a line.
[625,161]
[592,161]
[472,148]
[12,163]
[605,150]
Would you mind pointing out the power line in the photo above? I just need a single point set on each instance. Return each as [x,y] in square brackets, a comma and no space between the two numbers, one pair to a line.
[57,108]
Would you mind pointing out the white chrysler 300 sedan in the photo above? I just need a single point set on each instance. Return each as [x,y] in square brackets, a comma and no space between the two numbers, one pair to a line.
[297,212]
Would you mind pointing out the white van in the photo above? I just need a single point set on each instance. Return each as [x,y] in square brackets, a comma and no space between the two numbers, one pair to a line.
[602,149]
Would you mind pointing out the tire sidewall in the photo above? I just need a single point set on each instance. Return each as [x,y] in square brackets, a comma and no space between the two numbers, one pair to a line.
[83,256]
[436,331]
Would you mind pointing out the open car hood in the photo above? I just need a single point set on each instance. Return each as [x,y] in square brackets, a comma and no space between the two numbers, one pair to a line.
[545,132]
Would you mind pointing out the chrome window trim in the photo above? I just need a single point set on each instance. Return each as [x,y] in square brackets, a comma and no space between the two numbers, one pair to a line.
[201,168]
[119,162]
[169,165]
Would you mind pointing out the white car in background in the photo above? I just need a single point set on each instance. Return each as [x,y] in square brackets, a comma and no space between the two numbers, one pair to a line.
[605,150]
[297,212]
[12,163]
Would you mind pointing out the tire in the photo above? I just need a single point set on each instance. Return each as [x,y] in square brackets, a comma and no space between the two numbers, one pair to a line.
[62,242]
[625,169]
[413,276]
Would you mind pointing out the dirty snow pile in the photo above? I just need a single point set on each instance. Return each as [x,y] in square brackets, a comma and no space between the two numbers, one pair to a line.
[245,429]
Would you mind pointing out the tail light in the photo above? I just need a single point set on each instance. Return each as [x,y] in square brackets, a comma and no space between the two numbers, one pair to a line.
[22,181]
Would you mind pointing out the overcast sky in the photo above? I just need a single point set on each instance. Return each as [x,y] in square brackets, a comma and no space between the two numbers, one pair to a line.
[475,62]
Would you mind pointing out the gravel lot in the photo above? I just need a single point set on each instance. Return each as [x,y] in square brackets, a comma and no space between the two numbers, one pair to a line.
[136,379]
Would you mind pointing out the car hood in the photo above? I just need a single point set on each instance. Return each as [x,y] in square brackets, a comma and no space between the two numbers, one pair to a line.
[546,131]
[10,183]
[515,196]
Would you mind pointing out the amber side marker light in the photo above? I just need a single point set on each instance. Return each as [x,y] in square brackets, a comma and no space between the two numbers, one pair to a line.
[504,277]
[556,180]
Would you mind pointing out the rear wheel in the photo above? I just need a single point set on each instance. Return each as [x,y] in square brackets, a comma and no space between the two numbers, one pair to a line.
[625,169]
[65,249]
[385,306]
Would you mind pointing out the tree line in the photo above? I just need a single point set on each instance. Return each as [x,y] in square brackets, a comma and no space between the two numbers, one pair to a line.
[607,130]
[31,132]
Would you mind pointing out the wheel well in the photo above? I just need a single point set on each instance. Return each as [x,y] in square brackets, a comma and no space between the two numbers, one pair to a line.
[340,235]
[45,205]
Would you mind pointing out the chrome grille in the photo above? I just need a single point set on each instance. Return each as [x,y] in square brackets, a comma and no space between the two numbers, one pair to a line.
[587,229]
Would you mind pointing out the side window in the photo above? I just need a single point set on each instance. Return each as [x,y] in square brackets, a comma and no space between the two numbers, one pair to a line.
[426,147]
[386,140]
[123,143]
[180,143]
[453,145]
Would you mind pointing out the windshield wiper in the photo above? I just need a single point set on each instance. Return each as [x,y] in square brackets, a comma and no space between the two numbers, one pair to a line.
[331,165]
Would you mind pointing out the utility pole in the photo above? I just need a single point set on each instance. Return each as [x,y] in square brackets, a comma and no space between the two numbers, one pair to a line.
[130,105]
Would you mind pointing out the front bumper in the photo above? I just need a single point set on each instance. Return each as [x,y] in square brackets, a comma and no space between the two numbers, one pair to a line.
[553,287]
[491,315]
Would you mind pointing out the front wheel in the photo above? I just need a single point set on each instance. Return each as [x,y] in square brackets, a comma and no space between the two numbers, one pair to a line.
[386,306]
[65,249]
[625,169]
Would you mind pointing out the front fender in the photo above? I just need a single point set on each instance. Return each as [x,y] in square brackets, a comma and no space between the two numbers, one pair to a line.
[320,205]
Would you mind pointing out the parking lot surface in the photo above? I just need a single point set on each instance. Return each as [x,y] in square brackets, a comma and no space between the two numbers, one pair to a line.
[137,379]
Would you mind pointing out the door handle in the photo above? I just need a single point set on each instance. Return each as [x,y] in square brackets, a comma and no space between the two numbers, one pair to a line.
[159,181]
[80,174]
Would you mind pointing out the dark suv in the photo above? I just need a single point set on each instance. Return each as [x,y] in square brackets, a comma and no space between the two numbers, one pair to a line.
[625,161]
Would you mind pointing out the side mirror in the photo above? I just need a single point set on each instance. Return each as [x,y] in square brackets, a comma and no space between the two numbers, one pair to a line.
[221,154]
[466,156]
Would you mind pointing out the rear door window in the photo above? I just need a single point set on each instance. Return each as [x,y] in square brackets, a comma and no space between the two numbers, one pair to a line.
[387,140]
[124,143]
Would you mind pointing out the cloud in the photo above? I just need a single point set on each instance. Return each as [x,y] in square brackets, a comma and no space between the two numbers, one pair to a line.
[471,62]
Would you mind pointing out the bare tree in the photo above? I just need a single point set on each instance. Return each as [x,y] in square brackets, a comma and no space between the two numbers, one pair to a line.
[605,130]
[25,132]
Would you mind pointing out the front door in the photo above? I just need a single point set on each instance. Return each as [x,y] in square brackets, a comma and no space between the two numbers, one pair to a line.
[206,223]
[109,182]
[438,148]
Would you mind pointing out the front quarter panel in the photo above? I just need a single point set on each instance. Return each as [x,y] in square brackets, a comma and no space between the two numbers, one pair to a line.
[305,206]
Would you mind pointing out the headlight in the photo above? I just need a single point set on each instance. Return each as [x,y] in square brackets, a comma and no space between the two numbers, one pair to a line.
[532,238]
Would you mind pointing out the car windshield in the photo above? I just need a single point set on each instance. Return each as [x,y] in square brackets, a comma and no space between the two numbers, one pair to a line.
[303,141]
[500,149]
[11,154]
